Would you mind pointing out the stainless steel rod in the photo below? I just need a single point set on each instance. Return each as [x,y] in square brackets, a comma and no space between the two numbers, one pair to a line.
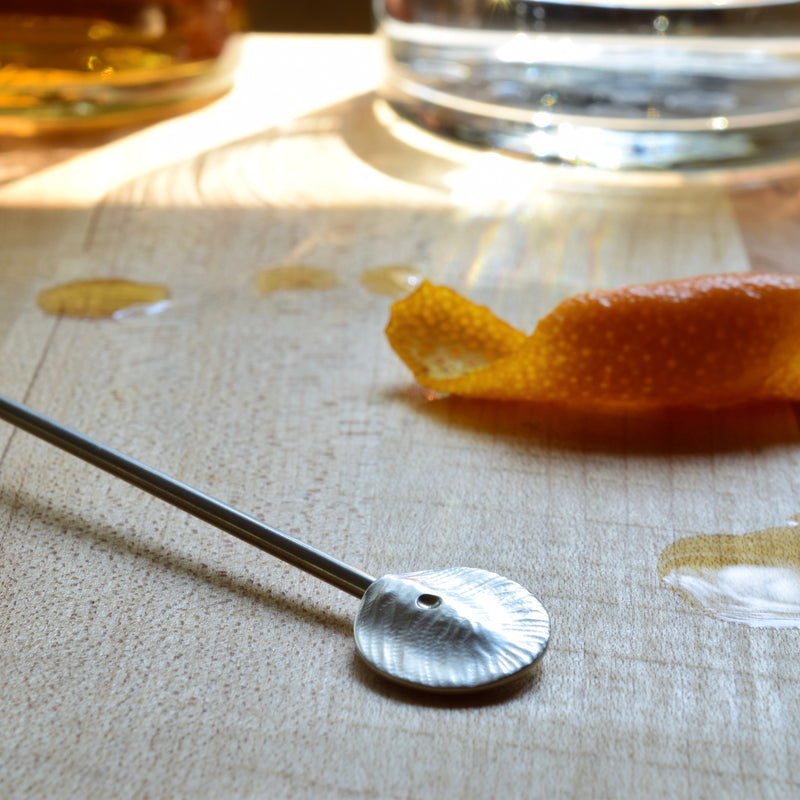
[200,505]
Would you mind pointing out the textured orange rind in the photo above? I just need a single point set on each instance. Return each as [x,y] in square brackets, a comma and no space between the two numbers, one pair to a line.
[709,340]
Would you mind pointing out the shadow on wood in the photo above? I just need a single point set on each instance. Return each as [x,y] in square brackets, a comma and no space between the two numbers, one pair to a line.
[667,431]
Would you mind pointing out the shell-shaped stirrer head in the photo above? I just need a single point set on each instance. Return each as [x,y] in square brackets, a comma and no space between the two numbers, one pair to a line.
[450,630]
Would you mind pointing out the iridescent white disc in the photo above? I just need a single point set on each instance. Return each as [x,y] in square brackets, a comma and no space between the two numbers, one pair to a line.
[456,629]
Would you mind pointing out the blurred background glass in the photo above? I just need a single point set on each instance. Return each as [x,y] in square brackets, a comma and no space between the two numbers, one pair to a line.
[84,65]
[620,84]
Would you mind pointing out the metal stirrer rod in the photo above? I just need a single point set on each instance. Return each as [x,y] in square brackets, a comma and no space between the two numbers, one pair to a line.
[200,505]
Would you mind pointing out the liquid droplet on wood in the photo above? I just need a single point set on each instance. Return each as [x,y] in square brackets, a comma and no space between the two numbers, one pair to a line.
[99,298]
[393,280]
[753,579]
[295,276]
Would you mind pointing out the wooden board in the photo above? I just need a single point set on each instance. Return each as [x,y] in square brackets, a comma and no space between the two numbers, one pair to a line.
[144,654]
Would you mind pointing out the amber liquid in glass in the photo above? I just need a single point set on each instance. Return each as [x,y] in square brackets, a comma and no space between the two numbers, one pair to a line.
[91,64]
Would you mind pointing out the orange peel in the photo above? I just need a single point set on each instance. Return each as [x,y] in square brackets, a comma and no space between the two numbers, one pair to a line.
[704,341]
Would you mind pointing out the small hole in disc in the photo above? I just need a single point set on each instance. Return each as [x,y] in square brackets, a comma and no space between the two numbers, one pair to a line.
[428,601]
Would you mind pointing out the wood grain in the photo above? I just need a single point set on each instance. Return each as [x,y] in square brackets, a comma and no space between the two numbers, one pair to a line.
[146,655]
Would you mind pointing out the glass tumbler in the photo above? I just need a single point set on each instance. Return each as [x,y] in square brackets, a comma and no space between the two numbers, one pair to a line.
[84,65]
[617,84]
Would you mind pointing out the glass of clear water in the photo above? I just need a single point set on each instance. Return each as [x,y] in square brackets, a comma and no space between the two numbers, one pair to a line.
[617,84]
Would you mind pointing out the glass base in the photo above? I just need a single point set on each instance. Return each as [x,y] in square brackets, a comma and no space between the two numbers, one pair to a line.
[82,107]
[705,94]
[565,142]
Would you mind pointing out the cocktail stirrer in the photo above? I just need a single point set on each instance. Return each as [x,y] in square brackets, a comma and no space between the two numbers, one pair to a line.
[449,630]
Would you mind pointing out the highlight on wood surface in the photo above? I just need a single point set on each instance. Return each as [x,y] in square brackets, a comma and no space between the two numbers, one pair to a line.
[99,298]
[703,341]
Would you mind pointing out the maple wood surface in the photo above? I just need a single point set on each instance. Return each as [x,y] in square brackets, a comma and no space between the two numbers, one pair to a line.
[145,654]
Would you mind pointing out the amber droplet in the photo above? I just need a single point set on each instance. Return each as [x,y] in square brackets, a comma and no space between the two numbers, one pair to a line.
[393,280]
[752,579]
[295,276]
[99,298]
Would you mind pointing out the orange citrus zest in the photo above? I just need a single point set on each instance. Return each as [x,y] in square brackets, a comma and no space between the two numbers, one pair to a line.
[709,340]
